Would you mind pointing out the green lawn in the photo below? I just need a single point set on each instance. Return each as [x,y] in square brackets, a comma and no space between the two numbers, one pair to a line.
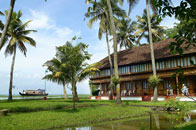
[58,113]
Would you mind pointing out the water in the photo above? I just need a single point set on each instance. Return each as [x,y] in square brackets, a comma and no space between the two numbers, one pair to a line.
[163,121]
[30,97]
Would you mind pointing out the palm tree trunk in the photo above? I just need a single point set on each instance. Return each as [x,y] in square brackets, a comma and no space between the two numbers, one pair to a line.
[65,92]
[151,49]
[110,61]
[8,19]
[115,51]
[74,92]
[11,75]
[177,86]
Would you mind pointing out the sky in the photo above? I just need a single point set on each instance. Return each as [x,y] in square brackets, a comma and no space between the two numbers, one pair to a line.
[56,22]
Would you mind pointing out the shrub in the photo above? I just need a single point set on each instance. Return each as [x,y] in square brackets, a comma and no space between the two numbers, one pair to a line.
[175,105]
[153,81]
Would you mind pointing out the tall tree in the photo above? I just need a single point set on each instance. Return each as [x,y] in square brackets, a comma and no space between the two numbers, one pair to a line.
[1,24]
[113,27]
[125,35]
[99,12]
[8,19]
[142,27]
[74,64]
[17,36]
[58,73]
[132,3]
[151,48]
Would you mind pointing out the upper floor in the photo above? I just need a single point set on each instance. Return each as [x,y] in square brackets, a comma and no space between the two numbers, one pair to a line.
[161,65]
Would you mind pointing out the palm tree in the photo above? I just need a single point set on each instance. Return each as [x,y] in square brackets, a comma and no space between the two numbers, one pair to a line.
[113,27]
[17,36]
[132,3]
[125,35]
[8,19]
[99,11]
[58,74]
[1,24]
[142,27]
[74,64]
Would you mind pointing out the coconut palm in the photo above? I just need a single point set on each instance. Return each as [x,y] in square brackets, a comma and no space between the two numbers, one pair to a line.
[142,28]
[74,64]
[8,19]
[1,24]
[125,35]
[132,3]
[99,12]
[115,50]
[17,38]
[58,74]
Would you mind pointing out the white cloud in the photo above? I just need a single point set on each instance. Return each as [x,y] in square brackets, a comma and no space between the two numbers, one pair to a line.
[40,20]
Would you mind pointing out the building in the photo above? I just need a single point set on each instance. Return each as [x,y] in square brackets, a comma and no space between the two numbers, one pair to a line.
[135,68]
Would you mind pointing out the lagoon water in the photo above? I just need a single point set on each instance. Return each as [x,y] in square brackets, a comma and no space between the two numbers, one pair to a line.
[31,97]
[163,121]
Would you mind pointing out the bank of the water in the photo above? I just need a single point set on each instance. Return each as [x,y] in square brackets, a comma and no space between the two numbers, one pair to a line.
[67,117]
[154,121]
[18,97]
[58,113]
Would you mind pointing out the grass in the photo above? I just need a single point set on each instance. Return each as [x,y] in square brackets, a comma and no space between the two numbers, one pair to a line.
[186,126]
[58,113]
[87,112]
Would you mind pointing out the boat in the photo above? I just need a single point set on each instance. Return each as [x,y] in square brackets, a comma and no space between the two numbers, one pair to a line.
[39,92]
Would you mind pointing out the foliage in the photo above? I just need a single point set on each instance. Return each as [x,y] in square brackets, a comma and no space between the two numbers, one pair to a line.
[115,80]
[99,12]
[17,35]
[70,65]
[186,13]
[153,81]
[175,105]
[1,24]
[125,35]
[142,28]
[58,74]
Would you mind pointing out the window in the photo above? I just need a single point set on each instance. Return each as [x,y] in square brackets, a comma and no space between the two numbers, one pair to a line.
[127,69]
[163,65]
[175,63]
[166,84]
[193,59]
[137,68]
[128,85]
[150,66]
[185,61]
[144,67]
[160,65]
[132,69]
[179,62]
[189,62]
[145,84]
[169,64]
[157,65]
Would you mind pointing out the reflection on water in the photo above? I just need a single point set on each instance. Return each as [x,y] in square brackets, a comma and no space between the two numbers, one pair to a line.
[162,121]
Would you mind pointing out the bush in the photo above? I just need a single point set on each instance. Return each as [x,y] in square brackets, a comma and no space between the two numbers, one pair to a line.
[175,105]
[153,81]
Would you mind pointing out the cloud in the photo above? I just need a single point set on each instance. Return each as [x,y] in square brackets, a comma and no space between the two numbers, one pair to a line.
[40,20]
